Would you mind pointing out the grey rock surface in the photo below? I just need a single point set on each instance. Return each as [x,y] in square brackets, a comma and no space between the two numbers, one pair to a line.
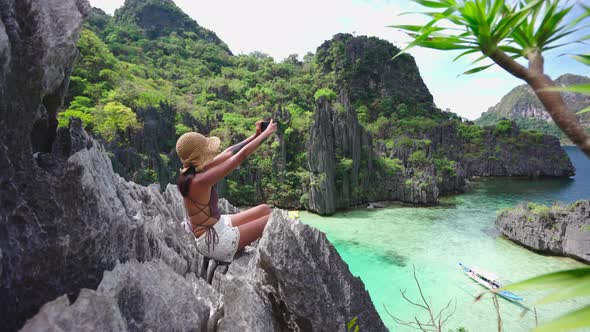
[94,219]
[225,207]
[292,280]
[338,137]
[321,160]
[559,230]
[135,297]
[92,311]
[37,49]
[37,57]
[246,308]
[291,257]
[509,154]
[152,296]
[65,216]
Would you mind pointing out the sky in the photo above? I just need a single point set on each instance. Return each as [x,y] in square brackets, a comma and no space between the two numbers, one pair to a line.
[280,28]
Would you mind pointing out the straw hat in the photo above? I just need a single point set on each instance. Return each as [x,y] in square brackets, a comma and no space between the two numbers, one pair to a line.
[196,150]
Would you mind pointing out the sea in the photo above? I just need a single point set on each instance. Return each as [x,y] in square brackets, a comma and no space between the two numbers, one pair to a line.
[385,246]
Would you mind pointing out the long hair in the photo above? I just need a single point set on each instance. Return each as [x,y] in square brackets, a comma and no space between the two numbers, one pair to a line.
[184,181]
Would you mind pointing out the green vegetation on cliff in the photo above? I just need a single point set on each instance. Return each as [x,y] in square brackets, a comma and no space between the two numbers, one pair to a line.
[150,73]
[126,66]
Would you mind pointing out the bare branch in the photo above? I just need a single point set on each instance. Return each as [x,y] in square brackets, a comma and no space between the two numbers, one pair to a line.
[412,302]
[497,307]
[449,315]
[401,322]
[420,288]
[436,322]
[442,321]
[422,328]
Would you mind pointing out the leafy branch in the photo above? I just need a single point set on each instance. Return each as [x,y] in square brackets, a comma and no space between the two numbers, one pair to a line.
[567,284]
[504,31]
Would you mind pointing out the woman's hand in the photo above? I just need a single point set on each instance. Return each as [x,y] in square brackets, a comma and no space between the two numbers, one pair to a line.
[259,127]
[271,129]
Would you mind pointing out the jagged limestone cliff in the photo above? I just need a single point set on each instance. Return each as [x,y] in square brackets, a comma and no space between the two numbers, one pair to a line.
[384,139]
[363,66]
[110,254]
[346,171]
[562,230]
[347,168]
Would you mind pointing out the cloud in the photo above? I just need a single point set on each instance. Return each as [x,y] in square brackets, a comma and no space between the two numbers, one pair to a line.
[108,6]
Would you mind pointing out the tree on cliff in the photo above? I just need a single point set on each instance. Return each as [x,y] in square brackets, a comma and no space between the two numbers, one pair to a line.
[503,32]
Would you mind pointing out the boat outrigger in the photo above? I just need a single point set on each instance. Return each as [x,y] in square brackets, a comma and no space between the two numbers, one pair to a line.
[489,281]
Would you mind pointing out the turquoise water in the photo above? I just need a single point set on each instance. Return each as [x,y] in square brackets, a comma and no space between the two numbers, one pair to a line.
[381,246]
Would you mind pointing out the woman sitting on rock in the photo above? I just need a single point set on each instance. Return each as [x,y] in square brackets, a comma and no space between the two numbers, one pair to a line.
[218,236]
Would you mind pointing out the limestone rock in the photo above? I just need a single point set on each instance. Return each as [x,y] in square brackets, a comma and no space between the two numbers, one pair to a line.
[559,230]
[90,219]
[363,66]
[346,163]
[66,218]
[321,161]
[346,167]
[509,154]
[226,208]
[343,165]
[152,296]
[307,282]
[246,308]
[175,202]
[37,57]
[135,297]
[91,311]
[293,279]
[158,18]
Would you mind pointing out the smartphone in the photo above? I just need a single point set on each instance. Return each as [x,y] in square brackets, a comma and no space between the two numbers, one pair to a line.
[264,125]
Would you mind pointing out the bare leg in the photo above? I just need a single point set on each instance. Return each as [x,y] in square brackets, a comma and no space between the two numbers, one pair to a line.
[251,231]
[250,215]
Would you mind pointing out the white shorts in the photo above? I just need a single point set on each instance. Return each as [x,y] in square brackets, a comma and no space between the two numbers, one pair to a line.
[229,239]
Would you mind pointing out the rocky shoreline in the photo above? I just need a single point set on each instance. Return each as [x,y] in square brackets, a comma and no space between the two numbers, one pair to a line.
[562,230]
[83,249]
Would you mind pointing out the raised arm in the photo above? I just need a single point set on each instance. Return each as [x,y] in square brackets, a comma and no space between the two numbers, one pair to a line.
[232,150]
[214,173]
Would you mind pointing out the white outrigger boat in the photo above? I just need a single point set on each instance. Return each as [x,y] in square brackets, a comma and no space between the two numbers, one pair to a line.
[489,281]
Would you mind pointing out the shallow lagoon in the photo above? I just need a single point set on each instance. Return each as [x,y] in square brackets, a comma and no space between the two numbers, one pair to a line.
[381,246]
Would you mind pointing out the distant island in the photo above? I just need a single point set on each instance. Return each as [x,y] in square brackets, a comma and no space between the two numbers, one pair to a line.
[522,106]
